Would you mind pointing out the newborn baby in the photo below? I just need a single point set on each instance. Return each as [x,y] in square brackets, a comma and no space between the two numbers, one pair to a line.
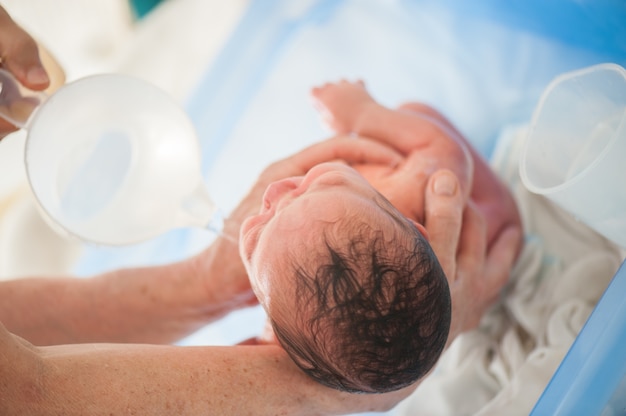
[340,260]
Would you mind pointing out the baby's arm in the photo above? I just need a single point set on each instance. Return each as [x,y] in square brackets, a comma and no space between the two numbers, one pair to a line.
[348,108]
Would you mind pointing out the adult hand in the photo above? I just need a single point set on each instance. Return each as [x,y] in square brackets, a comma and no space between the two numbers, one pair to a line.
[220,265]
[458,235]
[19,54]
[342,148]
[392,182]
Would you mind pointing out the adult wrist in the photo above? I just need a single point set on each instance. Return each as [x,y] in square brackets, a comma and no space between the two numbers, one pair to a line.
[222,277]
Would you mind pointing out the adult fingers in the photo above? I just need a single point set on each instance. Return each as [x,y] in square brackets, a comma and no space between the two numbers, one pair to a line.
[468,287]
[500,260]
[443,217]
[344,148]
[6,128]
[341,148]
[472,244]
[20,54]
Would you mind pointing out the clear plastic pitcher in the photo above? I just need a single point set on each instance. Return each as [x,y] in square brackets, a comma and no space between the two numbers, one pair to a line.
[575,152]
[110,158]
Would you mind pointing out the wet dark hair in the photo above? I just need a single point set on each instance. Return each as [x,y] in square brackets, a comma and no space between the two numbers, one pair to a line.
[374,317]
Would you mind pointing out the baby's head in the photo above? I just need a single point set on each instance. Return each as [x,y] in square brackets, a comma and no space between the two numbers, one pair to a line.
[352,288]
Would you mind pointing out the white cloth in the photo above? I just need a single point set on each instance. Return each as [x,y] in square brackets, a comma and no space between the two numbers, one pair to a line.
[504,366]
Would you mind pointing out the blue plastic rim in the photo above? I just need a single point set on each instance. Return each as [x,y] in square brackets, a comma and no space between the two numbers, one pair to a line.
[589,379]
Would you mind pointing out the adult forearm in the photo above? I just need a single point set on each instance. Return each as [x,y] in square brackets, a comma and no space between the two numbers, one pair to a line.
[114,307]
[163,380]
[154,304]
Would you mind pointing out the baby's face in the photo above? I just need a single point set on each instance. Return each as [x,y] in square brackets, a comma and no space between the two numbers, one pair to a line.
[297,217]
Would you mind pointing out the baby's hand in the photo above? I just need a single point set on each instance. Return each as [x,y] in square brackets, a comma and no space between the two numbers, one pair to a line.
[340,104]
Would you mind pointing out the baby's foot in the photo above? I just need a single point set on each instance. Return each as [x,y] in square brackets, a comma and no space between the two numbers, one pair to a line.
[341,104]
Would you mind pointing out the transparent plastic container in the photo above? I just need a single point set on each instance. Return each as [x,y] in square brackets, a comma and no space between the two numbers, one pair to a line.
[575,152]
[110,158]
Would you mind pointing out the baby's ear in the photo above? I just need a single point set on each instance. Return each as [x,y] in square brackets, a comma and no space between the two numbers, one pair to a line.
[421,229]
